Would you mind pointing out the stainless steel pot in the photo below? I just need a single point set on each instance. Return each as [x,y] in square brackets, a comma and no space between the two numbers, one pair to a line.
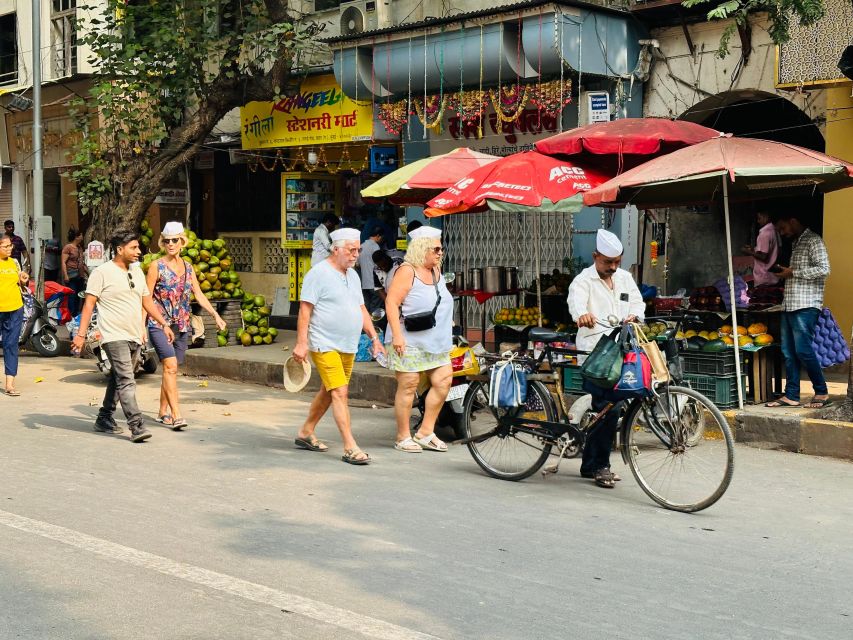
[494,279]
[511,279]
[475,279]
[459,282]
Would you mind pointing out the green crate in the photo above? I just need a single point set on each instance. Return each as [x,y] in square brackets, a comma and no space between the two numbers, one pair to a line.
[572,380]
[721,390]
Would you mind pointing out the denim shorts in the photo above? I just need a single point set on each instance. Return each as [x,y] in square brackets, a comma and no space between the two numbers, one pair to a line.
[164,349]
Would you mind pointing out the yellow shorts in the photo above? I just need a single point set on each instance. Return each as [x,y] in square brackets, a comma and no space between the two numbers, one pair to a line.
[333,367]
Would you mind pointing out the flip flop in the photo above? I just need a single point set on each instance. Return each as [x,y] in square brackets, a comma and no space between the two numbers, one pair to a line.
[12,393]
[178,424]
[311,444]
[776,404]
[350,457]
[817,404]
[166,419]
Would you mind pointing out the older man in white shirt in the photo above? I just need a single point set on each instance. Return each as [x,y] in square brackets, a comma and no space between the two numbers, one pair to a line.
[597,293]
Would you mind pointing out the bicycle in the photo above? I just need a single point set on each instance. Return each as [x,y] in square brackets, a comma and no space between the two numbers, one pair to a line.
[677,443]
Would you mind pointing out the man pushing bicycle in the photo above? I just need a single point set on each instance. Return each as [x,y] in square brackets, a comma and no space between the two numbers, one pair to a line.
[598,292]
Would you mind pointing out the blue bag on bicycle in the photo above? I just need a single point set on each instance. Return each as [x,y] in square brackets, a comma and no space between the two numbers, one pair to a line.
[635,381]
[507,385]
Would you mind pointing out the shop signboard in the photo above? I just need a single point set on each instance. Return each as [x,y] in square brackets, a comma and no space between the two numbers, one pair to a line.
[318,114]
[598,103]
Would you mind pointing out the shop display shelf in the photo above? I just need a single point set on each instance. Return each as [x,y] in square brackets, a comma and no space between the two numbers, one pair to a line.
[721,363]
[721,390]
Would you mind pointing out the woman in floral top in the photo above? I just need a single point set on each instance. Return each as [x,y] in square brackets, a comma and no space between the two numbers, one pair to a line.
[172,283]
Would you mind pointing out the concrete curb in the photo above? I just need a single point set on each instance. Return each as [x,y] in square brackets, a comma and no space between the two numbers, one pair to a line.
[800,434]
[368,383]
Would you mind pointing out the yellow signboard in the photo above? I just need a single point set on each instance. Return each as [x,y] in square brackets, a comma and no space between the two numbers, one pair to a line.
[319,114]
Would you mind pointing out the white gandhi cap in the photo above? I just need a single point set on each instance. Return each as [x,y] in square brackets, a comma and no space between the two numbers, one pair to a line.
[345,234]
[425,232]
[608,244]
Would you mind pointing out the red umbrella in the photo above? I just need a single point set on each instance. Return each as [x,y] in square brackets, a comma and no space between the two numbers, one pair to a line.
[521,181]
[632,137]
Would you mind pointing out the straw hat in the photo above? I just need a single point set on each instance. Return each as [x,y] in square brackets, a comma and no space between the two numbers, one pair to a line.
[296,374]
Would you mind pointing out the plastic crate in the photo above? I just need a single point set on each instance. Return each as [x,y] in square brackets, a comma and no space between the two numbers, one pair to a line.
[721,390]
[720,363]
[572,380]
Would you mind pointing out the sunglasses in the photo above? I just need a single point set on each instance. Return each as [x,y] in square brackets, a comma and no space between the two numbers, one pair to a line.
[130,281]
[438,250]
[171,240]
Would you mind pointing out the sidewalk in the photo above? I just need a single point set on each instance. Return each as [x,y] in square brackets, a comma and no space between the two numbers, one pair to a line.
[797,430]
[264,364]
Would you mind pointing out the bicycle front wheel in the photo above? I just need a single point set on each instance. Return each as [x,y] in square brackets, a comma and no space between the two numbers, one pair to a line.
[680,449]
[502,450]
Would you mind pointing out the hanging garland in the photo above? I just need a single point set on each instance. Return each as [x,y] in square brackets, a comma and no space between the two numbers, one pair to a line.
[433,107]
[551,97]
[470,108]
[393,116]
[509,101]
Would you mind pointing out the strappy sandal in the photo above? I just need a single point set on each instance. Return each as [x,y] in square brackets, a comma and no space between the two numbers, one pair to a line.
[431,443]
[166,419]
[351,457]
[604,478]
[407,445]
[616,476]
[311,444]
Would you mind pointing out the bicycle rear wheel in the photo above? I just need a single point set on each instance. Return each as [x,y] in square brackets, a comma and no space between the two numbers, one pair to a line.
[504,452]
[680,449]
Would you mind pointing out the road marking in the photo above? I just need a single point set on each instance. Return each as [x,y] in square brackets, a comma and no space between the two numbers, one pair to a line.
[320,611]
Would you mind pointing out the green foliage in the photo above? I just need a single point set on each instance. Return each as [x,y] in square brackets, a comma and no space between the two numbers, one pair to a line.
[781,13]
[167,71]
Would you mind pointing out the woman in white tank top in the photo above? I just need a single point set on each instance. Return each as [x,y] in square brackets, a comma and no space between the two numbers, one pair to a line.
[418,287]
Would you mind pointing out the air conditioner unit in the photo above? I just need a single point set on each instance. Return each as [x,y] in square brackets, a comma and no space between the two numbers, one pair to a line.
[358,17]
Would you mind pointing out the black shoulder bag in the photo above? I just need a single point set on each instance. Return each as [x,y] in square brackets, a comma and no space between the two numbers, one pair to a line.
[426,319]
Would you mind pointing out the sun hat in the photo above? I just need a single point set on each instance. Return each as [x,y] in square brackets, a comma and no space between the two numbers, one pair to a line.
[173,229]
[296,374]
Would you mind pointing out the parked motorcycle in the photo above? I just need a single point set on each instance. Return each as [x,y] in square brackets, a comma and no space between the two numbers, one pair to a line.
[146,363]
[38,330]
[449,423]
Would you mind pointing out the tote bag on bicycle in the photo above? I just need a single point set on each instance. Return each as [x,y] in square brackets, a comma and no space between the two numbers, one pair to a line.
[507,385]
[659,369]
[603,366]
[635,381]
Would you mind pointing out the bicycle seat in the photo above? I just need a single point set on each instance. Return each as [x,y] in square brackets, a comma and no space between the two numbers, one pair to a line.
[541,334]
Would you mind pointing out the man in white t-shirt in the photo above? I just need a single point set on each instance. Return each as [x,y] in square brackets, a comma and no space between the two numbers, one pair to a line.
[118,288]
[365,266]
[331,318]
[322,243]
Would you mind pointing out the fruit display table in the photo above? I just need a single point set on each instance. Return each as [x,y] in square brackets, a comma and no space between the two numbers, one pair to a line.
[481,297]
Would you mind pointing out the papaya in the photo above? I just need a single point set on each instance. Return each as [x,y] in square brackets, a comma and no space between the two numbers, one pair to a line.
[728,340]
[741,331]
[756,329]
[744,341]
[725,330]
[763,339]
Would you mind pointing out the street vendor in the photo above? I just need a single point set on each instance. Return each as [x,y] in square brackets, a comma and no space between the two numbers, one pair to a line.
[598,292]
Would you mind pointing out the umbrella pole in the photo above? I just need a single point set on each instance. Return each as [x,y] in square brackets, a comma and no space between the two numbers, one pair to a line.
[536,215]
[732,290]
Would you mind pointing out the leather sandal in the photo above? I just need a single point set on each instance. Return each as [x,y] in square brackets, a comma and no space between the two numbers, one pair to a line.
[604,478]
[351,456]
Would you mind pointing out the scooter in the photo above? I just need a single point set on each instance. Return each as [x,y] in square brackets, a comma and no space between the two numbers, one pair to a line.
[449,423]
[146,363]
[38,329]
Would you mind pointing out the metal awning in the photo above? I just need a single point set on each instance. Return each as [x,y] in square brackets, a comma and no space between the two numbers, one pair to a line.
[496,49]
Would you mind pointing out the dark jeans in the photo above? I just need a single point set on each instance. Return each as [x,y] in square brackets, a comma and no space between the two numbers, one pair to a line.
[596,451]
[10,331]
[75,303]
[121,387]
[798,329]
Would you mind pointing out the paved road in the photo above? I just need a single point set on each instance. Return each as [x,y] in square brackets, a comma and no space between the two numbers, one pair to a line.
[226,531]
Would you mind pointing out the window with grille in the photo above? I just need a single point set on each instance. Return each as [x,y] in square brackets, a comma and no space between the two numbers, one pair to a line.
[8,48]
[63,37]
